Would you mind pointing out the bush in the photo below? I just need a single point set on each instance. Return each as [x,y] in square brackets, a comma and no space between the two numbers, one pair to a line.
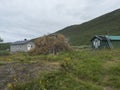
[4,46]
[4,53]
[51,44]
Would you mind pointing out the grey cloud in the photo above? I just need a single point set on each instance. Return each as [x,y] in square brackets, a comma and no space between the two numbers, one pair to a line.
[21,19]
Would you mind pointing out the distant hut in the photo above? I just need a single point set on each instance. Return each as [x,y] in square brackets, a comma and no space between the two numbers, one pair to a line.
[101,41]
[22,46]
[51,44]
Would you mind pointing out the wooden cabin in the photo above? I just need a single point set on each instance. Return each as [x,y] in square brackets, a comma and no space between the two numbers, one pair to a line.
[104,41]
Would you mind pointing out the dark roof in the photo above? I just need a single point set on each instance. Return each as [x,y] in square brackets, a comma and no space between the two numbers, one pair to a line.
[20,42]
[100,37]
[106,37]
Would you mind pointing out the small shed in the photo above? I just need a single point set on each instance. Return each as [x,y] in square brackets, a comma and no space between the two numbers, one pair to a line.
[105,41]
[22,46]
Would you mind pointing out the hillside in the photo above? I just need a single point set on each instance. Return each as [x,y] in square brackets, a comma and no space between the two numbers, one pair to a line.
[81,34]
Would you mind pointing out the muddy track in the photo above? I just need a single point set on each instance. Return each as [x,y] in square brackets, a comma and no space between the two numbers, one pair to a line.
[4,76]
[24,71]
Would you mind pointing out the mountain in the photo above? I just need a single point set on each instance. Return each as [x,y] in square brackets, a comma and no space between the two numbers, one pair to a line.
[108,24]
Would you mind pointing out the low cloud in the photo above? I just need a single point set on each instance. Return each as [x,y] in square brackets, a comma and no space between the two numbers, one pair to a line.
[21,19]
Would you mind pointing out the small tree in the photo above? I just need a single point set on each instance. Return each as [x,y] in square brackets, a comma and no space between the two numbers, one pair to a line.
[51,44]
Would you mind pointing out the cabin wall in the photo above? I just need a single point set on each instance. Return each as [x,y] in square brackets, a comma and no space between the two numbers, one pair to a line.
[21,47]
[104,44]
[116,44]
[18,48]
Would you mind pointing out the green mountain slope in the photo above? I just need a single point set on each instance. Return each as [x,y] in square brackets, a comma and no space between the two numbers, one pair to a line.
[103,25]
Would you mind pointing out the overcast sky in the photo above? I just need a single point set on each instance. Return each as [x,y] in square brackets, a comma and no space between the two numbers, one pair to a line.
[21,19]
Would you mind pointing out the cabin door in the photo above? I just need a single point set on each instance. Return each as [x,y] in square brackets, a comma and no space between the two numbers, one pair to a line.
[29,47]
[96,43]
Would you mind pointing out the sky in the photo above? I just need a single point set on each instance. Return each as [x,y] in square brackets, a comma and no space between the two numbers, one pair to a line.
[20,19]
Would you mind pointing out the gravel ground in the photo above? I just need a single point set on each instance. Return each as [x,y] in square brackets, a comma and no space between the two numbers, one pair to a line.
[22,72]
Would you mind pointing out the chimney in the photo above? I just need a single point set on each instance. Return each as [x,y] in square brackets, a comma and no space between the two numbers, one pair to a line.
[25,39]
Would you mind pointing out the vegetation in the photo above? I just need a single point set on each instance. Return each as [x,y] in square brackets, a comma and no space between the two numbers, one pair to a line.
[79,70]
[4,53]
[108,24]
[4,46]
[4,49]
[51,44]
[82,69]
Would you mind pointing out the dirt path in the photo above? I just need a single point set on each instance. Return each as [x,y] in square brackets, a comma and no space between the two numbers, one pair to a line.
[24,71]
[4,75]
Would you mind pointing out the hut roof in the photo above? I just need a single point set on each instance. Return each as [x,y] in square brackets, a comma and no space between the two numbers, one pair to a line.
[114,37]
[106,37]
[101,37]
[20,42]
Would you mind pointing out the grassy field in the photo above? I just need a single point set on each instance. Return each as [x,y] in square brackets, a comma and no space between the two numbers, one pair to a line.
[76,70]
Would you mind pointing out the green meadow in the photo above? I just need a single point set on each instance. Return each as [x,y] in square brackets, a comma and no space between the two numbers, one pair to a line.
[75,70]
